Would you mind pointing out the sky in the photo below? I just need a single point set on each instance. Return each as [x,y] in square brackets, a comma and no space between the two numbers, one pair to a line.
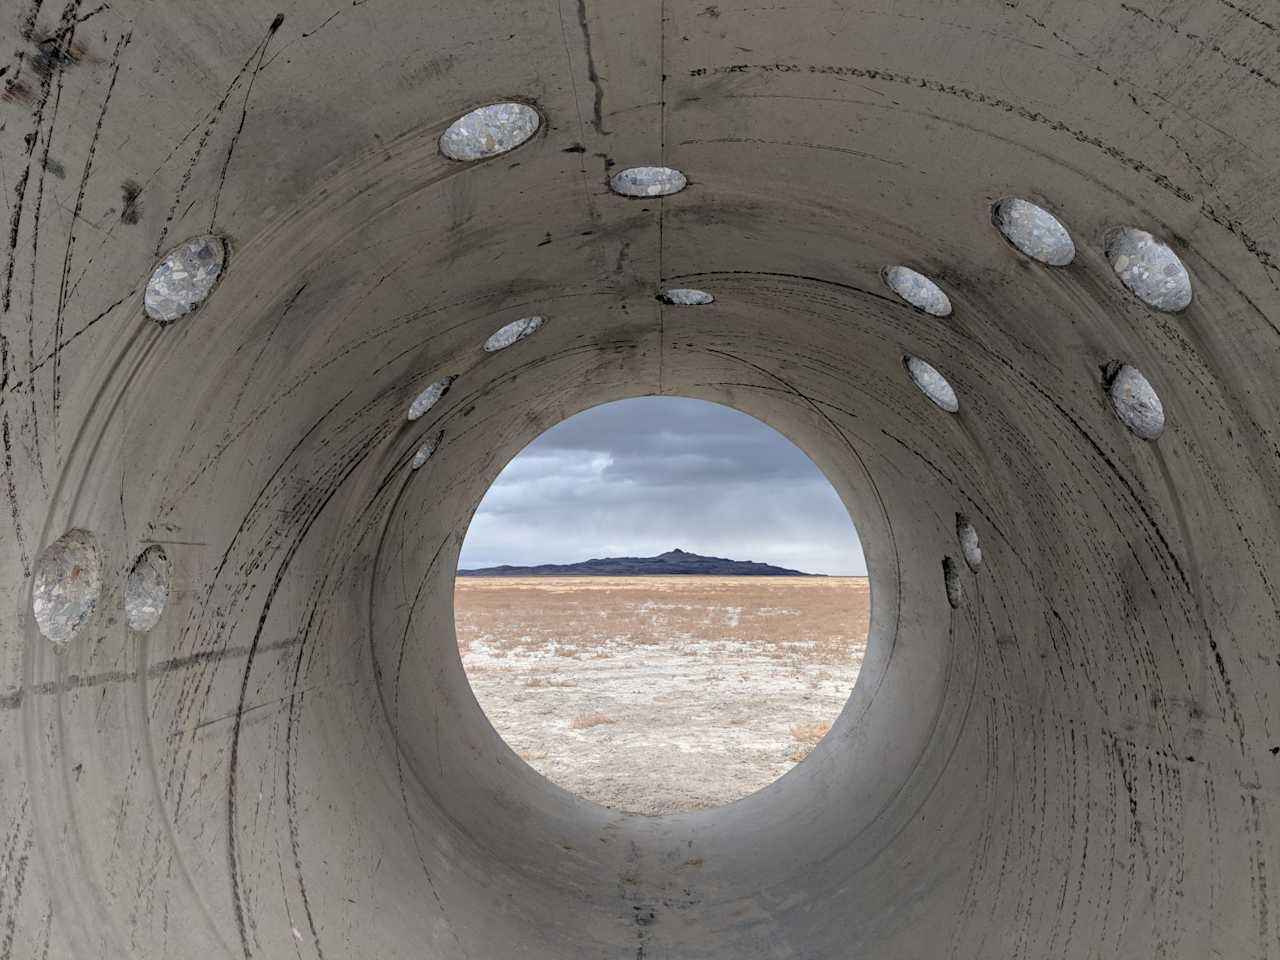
[639,477]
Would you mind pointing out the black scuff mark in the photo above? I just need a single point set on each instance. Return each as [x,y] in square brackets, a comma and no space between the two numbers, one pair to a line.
[27,30]
[53,55]
[15,218]
[130,209]
[60,315]
[114,678]
[861,154]
[16,91]
[310,511]
[1249,15]
[51,80]
[645,918]
[1140,167]
[307,34]
[242,920]
[124,515]
[35,367]
[56,168]
[1208,181]
[210,123]
[11,490]
[291,750]
[1204,43]
[404,637]
[422,860]
[244,112]
[597,105]
[68,25]
[50,85]
[18,844]
[253,367]
[577,105]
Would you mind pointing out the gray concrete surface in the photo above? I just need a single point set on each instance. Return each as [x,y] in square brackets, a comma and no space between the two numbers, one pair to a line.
[1078,761]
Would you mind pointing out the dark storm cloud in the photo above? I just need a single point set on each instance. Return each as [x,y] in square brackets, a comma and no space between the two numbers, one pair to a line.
[670,440]
[642,476]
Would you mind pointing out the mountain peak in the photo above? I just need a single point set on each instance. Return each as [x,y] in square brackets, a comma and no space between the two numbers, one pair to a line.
[674,562]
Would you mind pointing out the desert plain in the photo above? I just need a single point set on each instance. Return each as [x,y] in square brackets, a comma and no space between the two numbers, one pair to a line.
[654,695]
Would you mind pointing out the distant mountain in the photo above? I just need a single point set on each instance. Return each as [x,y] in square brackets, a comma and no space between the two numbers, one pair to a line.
[670,564]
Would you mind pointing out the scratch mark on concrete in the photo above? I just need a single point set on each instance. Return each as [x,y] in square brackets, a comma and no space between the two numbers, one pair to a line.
[59,315]
[244,112]
[597,107]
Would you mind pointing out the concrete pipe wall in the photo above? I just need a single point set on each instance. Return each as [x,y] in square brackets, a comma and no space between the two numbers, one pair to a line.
[1068,750]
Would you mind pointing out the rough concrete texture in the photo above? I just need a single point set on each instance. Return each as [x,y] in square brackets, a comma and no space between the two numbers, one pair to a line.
[1078,761]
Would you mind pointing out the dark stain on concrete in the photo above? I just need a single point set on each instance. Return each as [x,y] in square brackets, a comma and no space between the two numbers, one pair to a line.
[131,209]
[53,55]
[16,91]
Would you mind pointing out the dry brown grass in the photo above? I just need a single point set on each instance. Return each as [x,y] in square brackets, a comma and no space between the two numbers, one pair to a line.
[592,718]
[807,736]
[809,732]
[540,680]
[804,620]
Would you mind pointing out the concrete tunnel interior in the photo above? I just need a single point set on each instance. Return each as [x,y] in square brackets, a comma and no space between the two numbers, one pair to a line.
[1066,747]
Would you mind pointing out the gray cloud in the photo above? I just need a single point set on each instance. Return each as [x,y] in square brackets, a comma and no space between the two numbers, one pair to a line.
[642,476]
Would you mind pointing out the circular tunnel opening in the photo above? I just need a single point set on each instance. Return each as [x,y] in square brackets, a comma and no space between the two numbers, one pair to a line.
[248,291]
[662,605]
